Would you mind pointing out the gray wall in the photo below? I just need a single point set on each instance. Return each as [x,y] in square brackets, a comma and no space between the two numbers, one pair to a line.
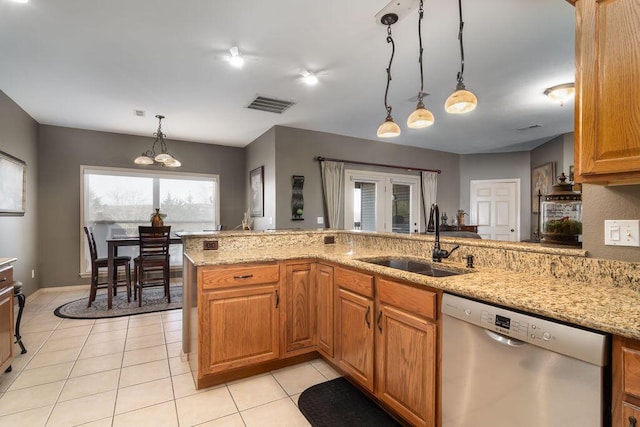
[63,150]
[499,166]
[600,203]
[296,148]
[262,152]
[19,138]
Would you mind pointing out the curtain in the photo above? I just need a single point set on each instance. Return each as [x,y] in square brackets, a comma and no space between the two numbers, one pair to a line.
[333,188]
[429,196]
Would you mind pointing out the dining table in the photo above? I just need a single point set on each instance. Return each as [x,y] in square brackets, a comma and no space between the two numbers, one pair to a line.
[113,243]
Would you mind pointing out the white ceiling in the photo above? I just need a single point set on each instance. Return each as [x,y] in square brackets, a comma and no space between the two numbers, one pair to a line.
[88,64]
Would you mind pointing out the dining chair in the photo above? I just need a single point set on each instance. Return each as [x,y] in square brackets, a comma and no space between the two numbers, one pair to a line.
[151,267]
[98,263]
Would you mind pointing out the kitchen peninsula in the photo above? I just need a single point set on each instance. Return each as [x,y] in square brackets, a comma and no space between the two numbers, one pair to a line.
[263,300]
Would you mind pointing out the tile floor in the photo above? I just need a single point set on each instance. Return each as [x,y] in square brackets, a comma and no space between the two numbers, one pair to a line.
[128,371]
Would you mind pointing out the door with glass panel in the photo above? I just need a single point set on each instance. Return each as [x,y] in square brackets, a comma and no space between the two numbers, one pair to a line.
[381,202]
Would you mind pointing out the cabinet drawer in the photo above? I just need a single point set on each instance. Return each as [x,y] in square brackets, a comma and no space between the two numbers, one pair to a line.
[631,370]
[359,283]
[239,275]
[6,275]
[414,300]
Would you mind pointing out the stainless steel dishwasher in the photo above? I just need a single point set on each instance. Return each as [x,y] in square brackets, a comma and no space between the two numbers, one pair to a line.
[505,368]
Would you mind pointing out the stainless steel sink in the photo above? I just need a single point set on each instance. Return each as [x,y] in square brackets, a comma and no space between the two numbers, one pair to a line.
[415,266]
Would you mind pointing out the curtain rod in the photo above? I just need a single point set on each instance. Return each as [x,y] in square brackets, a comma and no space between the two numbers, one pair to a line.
[320,159]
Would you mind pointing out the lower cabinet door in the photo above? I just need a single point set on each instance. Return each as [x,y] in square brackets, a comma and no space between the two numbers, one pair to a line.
[324,280]
[300,316]
[630,415]
[354,336]
[241,328]
[406,364]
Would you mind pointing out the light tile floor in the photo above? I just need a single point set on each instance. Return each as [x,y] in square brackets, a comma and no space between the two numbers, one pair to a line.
[127,371]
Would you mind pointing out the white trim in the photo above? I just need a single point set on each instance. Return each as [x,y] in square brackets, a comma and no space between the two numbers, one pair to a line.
[518,197]
[382,180]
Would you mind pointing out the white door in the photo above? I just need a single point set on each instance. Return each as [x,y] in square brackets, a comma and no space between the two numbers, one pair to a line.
[495,208]
[377,201]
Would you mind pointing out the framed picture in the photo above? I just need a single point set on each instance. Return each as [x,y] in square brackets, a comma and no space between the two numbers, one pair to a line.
[13,185]
[256,199]
[542,178]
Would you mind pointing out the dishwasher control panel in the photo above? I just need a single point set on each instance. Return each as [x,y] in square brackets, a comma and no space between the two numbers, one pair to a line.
[548,334]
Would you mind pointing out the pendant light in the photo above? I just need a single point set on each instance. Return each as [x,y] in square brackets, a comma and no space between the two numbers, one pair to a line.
[389,129]
[461,100]
[421,117]
[164,158]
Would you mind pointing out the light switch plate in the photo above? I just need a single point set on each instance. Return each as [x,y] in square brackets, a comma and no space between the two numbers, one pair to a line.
[622,232]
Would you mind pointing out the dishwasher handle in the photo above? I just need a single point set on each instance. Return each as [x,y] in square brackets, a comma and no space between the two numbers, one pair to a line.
[505,340]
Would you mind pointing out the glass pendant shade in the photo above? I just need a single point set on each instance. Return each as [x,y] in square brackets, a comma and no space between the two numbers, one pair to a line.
[388,129]
[173,163]
[420,118]
[143,160]
[163,158]
[461,101]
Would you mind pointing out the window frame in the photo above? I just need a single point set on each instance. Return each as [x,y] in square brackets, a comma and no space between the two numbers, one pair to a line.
[384,182]
[105,170]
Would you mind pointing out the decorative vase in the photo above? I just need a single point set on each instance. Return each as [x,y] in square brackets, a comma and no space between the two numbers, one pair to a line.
[156,219]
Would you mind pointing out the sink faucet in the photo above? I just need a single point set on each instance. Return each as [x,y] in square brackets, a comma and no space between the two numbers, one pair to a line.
[438,253]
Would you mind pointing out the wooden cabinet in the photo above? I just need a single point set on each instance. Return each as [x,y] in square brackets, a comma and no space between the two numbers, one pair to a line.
[240,328]
[238,325]
[353,325]
[6,316]
[406,351]
[625,367]
[299,303]
[388,343]
[607,119]
[324,287]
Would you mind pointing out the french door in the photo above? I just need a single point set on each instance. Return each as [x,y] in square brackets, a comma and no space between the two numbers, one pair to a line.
[382,202]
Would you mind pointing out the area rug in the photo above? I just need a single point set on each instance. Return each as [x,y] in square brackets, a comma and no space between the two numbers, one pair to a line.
[338,403]
[153,299]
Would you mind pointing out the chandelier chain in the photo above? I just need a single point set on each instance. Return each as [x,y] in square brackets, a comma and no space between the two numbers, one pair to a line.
[393,50]
[420,16]
[461,44]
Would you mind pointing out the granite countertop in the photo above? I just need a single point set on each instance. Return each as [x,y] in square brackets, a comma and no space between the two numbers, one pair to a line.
[595,306]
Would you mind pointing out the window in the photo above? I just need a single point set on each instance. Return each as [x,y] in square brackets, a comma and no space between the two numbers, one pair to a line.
[116,201]
[381,202]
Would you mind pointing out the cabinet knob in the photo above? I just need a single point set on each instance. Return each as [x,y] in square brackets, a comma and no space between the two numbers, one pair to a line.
[632,421]
[380,321]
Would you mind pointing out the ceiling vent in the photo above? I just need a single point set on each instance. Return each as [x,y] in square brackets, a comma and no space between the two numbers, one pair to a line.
[270,105]
[138,113]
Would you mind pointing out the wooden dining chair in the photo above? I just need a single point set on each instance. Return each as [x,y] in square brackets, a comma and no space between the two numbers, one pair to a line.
[152,265]
[98,263]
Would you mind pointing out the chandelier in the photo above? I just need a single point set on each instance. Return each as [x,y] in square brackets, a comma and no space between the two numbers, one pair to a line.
[163,158]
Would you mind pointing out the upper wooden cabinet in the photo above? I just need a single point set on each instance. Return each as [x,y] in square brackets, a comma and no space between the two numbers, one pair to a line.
[607,119]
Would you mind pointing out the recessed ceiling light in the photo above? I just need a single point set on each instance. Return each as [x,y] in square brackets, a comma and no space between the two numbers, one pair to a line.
[311,79]
[236,59]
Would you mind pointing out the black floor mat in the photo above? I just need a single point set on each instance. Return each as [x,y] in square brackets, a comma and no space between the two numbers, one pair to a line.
[338,403]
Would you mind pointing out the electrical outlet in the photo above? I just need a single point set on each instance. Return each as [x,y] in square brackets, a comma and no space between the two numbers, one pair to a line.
[320,220]
[33,274]
[270,220]
[210,245]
